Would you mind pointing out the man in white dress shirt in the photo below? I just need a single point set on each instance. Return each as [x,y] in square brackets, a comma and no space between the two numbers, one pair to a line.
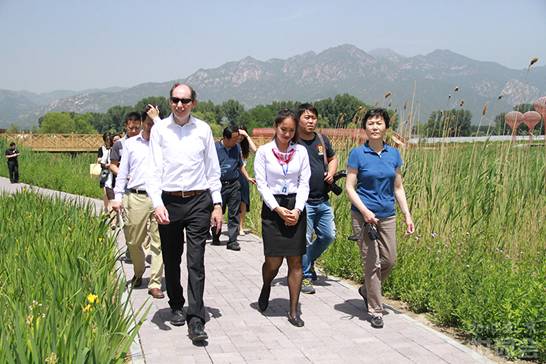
[184,184]
[137,206]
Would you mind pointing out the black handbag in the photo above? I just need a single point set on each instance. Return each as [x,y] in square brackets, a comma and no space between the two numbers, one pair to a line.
[103,176]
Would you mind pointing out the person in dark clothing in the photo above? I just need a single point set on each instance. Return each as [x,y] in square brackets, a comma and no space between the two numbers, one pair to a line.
[13,165]
[320,216]
[231,167]
[247,146]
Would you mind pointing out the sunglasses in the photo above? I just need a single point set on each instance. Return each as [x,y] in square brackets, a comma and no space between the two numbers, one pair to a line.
[176,100]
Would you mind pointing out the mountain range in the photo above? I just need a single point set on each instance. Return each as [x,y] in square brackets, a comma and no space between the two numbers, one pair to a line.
[423,83]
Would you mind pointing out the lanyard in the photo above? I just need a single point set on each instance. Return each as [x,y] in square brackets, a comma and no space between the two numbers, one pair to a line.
[283,159]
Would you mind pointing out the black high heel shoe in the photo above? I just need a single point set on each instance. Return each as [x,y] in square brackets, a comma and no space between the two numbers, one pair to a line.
[263,300]
[296,321]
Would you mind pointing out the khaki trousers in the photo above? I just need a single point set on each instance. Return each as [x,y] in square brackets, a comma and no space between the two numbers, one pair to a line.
[139,223]
[378,258]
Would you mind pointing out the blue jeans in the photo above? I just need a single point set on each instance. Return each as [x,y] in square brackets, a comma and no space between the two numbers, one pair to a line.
[320,219]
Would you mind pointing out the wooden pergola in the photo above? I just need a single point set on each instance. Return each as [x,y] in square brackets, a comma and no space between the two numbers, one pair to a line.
[73,143]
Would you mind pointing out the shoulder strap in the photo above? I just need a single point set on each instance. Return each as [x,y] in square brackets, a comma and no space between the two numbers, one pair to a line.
[321,139]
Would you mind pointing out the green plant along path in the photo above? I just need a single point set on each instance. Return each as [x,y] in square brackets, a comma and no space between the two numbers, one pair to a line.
[61,297]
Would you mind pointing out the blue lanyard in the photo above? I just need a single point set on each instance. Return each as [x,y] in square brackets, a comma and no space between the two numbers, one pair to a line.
[284,170]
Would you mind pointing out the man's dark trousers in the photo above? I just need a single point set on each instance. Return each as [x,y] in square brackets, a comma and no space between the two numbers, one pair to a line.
[13,168]
[193,215]
[231,198]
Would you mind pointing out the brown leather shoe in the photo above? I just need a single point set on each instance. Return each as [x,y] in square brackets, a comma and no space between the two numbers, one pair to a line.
[156,293]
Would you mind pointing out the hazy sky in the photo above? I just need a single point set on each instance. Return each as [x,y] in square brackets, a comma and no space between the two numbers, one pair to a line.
[74,44]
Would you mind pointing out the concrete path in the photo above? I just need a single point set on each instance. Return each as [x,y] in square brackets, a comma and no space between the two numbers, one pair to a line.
[336,328]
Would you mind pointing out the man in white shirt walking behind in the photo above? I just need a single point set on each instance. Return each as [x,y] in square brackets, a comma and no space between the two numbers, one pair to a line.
[137,206]
[184,184]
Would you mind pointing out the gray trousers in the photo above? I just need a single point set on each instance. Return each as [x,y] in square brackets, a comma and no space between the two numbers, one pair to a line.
[378,258]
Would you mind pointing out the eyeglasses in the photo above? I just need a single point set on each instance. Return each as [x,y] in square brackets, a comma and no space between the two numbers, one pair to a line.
[176,100]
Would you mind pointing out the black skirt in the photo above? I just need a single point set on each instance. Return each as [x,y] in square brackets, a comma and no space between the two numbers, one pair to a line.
[281,240]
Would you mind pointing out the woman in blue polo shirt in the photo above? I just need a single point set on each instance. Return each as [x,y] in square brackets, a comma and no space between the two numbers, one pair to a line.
[373,184]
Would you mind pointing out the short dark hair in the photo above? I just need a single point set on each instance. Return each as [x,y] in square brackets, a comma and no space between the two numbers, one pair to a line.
[143,116]
[11,144]
[193,94]
[286,114]
[228,131]
[144,113]
[378,111]
[306,107]
[133,116]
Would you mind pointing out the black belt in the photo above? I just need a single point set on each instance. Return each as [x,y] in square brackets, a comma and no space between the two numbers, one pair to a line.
[140,192]
[229,181]
[280,195]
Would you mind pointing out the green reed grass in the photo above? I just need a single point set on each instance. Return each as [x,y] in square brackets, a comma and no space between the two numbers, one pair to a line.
[61,296]
[477,260]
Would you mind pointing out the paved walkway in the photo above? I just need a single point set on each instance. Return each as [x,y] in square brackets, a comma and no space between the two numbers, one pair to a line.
[336,329]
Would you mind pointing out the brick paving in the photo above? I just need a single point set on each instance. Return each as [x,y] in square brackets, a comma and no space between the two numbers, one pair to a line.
[336,328]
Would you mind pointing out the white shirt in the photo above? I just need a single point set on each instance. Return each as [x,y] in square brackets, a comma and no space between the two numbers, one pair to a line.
[106,160]
[133,166]
[183,159]
[271,179]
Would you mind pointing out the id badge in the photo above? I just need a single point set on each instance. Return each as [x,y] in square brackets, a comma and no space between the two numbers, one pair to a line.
[284,189]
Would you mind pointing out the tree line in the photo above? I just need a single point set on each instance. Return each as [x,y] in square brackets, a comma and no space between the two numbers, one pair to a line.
[342,111]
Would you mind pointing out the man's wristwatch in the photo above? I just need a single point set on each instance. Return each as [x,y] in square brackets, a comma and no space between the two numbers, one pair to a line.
[217,204]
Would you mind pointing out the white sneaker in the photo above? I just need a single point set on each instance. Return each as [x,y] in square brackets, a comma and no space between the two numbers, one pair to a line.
[242,233]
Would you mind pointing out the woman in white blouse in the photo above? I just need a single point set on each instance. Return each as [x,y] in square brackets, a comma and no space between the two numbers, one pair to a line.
[282,177]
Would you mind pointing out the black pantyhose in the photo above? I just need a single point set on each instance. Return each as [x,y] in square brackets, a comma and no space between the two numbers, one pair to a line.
[270,268]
